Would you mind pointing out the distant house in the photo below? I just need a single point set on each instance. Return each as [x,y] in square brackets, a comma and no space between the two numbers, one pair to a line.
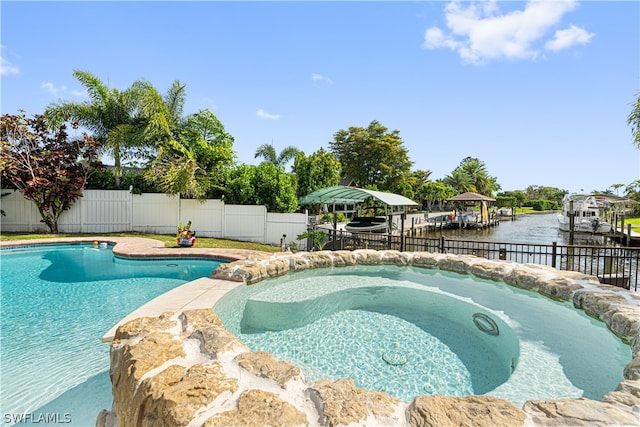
[348,182]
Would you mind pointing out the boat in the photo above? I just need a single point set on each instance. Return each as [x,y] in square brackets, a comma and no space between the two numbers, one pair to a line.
[587,215]
[504,211]
[374,224]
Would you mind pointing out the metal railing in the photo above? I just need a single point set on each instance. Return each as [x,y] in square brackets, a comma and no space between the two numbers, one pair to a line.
[615,265]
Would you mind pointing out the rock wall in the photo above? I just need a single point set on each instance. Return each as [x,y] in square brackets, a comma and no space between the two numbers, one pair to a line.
[185,369]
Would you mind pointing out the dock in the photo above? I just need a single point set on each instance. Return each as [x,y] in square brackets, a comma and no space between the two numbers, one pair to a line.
[449,220]
[628,237]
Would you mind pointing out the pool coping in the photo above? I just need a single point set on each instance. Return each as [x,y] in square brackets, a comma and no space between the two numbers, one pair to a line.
[196,294]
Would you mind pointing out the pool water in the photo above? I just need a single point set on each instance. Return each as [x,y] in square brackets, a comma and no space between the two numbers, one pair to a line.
[57,301]
[353,321]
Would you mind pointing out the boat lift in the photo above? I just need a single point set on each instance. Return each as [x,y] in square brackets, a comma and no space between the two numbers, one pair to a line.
[344,199]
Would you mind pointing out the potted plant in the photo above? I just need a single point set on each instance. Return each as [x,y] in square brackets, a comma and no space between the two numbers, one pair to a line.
[317,237]
[186,236]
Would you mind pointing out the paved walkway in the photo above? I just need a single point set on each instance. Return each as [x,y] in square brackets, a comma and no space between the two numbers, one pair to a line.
[139,247]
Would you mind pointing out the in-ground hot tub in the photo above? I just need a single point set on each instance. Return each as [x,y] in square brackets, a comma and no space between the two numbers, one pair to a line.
[411,331]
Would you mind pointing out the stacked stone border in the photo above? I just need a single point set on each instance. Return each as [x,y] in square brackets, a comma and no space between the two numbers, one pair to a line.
[182,369]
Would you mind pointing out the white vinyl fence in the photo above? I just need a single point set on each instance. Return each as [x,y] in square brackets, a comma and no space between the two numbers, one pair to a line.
[111,211]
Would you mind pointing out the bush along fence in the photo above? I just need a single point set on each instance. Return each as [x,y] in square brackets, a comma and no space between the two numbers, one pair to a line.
[613,265]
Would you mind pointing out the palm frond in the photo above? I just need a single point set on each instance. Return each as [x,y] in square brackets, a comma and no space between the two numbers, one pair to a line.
[96,89]
[175,99]
[267,152]
[288,153]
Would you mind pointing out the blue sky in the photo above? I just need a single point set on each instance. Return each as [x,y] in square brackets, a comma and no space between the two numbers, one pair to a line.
[539,91]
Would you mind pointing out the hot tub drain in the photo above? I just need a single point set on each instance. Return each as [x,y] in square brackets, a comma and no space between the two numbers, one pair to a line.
[485,324]
[395,358]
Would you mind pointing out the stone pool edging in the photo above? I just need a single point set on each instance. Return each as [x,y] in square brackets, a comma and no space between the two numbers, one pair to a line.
[186,369]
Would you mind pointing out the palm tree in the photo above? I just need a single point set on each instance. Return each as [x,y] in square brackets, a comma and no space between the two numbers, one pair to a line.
[617,188]
[268,153]
[108,115]
[634,121]
[477,172]
[127,124]
[460,181]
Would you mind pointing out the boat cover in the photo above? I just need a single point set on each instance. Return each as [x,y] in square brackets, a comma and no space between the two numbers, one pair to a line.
[351,195]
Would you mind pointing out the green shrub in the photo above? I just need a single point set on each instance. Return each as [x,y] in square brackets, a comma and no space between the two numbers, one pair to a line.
[504,201]
[543,205]
[105,180]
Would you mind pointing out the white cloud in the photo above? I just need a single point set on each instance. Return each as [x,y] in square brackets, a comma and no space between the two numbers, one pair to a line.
[7,68]
[320,78]
[572,36]
[264,115]
[479,32]
[59,91]
[53,89]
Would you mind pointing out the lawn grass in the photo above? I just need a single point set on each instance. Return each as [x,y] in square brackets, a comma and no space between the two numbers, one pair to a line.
[169,240]
[634,222]
[529,209]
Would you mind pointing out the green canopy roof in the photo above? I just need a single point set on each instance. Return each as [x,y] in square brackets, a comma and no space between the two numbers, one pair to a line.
[352,195]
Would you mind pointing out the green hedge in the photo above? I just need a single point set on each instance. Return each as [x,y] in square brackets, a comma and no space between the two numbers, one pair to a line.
[104,180]
[543,205]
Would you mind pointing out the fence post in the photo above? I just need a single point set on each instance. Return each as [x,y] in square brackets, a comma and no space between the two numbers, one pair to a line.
[441,244]
[554,251]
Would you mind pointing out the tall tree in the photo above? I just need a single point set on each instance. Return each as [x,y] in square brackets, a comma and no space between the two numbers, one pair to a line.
[373,157]
[472,175]
[435,192]
[268,153]
[320,169]
[126,124]
[109,115]
[194,164]
[541,192]
[47,168]
[632,191]
[633,120]
[265,184]
[517,196]
[460,181]
[420,176]
[617,188]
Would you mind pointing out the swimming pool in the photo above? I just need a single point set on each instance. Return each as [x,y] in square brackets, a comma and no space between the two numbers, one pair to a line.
[56,303]
[344,322]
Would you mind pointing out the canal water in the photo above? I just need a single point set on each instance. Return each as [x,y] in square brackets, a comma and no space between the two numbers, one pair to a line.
[535,228]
